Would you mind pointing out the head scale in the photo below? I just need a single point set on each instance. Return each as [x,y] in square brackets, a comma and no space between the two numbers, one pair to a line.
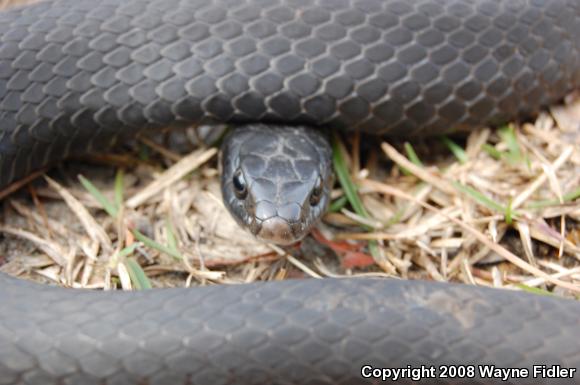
[276,180]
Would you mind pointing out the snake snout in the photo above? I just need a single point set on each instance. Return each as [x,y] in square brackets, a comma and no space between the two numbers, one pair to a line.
[277,230]
[279,224]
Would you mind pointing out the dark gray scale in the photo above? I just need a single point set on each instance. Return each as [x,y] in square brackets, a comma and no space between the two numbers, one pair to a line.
[76,75]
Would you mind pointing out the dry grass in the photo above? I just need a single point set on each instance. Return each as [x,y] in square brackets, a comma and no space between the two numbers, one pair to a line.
[503,212]
[505,215]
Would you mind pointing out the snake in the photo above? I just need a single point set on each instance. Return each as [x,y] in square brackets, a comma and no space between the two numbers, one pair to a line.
[79,75]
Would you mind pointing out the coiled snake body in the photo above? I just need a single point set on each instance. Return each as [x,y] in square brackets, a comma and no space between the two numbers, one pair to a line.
[78,74]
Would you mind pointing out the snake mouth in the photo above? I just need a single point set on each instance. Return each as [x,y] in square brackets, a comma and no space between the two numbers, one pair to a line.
[276,230]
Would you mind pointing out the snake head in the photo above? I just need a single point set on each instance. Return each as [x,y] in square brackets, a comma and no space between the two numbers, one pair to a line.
[276,180]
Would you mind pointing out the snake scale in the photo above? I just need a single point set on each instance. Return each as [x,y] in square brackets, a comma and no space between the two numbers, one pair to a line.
[77,75]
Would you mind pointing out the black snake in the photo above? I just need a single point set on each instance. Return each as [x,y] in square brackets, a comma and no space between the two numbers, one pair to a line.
[76,75]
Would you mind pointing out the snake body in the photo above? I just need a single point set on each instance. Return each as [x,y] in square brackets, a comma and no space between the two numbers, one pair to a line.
[78,74]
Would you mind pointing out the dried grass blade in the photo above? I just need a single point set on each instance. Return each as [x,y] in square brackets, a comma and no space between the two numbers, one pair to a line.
[93,229]
[180,169]
[500,250]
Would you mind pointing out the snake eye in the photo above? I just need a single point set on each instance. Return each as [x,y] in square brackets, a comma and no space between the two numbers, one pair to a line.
[240,188]
[316,193]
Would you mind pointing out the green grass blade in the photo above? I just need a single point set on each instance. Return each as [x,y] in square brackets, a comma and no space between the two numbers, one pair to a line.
[514,154]
[412,155]
[508,213]
[338,204]
[508,135]
[138,277]
[396,218]
[350,189]
[569,197]
[479,197]
[171,239]
[119,188]
[156,245]
[533,290]
[413,158]
[455,149]
[492,151]
[107,205]
[128,250]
